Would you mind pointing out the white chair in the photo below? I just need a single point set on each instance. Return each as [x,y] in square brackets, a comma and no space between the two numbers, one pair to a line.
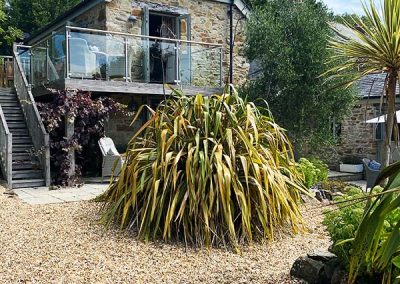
[82,59]
[112,160]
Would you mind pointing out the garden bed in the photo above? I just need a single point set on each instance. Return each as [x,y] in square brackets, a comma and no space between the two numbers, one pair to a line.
[63,243]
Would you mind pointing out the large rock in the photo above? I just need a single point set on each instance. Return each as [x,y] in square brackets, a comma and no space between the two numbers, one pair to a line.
[323,256]
[307,269]
[339,276]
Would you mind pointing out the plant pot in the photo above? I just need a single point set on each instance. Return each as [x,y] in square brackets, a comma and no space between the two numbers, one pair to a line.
[351,168]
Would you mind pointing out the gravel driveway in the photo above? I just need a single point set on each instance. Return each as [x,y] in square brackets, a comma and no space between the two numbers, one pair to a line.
[63,243]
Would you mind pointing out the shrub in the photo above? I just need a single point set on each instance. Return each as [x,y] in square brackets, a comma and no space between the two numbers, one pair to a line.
[377,241]
[89,116]
[336,186]
[342,224]
[313,171]
[207,171]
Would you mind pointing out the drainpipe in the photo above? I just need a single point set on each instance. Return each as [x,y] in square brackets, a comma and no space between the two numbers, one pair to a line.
[231,44]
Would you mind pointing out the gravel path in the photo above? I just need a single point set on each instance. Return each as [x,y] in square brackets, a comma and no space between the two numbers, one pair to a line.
[63,243]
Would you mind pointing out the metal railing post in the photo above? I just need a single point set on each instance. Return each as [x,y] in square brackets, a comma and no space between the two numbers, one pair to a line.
[220,67]
[67,36]
[177,57]
[127,75]
[47,62]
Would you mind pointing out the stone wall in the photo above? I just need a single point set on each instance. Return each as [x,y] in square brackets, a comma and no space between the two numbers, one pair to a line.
[119,126]
[209,23]
[357,138]
[95,18]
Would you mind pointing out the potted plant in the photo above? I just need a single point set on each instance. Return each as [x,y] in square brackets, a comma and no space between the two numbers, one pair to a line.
[351,164]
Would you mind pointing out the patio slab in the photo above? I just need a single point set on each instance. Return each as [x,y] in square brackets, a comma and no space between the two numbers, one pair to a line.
[42,195]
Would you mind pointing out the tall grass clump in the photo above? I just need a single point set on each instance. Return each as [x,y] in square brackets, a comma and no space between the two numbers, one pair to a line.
[206,171]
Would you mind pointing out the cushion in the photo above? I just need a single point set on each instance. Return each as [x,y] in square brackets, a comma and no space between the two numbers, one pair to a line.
[112,152]
[374,165]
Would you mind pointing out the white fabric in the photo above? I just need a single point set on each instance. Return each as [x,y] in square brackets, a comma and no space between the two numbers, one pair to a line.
[382,118]
[82,59]
[107,147]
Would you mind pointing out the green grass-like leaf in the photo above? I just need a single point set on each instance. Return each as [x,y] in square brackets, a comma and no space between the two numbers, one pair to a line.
[207,171]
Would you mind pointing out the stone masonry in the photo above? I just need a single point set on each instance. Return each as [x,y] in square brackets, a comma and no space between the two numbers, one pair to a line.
[209,23]
[357,138]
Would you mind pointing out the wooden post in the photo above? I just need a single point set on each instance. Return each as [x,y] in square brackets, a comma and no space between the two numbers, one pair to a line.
[69,133]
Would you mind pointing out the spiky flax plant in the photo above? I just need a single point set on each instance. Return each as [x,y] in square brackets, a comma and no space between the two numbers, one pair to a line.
[207,170]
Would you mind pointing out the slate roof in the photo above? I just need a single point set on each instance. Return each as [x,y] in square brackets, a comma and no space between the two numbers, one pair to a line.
[371,86]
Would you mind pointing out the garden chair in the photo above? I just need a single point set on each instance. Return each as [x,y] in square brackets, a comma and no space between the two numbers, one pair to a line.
[112,160]
[82,60]
[370,174]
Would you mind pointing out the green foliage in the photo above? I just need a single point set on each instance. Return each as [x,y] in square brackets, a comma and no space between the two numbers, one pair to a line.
[289,42]
[30,16]
[373,48]
[377,240]
[207,171]
[334,186]
[313,170]
[342,224]
[349,19]
[8,33]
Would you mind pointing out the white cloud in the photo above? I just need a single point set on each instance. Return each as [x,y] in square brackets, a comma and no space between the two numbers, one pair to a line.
[349,6]
[344,6]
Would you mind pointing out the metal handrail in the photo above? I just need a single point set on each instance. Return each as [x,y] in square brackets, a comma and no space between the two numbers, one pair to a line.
[34,122]
[143,36]
[6,144]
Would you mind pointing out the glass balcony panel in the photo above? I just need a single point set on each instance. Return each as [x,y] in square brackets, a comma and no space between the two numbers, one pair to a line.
[96,56]
[200,65]
[152,60]
[39,64]
[25,58]
[56,57]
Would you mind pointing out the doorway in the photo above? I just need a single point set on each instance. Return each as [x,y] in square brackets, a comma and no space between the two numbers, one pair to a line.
[162,52]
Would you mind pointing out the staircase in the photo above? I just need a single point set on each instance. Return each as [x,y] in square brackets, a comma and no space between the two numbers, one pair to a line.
[26,170]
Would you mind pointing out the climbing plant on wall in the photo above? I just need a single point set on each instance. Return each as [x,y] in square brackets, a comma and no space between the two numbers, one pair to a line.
[89,116]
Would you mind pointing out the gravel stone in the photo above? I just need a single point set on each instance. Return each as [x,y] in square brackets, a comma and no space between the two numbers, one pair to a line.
[64,243]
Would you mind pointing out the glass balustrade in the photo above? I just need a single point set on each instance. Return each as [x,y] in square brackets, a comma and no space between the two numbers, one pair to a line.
[102,55]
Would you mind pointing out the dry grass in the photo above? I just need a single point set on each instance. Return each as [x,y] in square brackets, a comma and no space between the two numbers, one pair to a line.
[63,243]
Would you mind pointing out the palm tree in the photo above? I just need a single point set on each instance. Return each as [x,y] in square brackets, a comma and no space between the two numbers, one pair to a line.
[375,48]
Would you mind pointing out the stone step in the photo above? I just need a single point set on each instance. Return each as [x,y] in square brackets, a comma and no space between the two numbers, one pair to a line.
[345,176]
[27,174]
[24,183]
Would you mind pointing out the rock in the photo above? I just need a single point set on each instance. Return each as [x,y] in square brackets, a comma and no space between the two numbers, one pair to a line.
[329,268]
[327,195]
[339,276]
[323,256]
[318,195]
[307,269]
[338,193]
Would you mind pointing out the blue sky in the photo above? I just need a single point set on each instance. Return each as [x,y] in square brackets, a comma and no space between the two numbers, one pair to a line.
[344,6]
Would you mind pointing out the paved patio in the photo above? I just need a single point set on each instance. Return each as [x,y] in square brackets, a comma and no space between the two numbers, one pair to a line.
[42,195]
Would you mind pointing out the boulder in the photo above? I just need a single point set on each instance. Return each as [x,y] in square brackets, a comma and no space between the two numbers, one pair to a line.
[323,256]
[307,269]
[339,276]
